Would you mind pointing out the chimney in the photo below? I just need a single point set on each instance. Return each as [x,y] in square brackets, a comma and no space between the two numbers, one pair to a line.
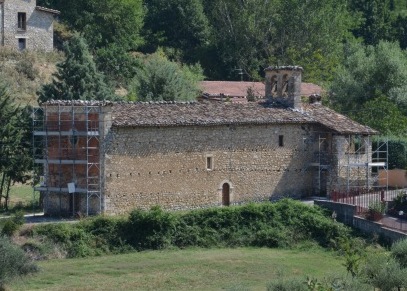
[315,99]
[283,85]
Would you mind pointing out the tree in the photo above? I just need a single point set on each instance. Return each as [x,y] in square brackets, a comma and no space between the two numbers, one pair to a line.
[15,144]
[254,34]
[103,22]
[375,20]
[178,24]
[77,77]
[369,72]
[161,79]
[118,65]
[382,115]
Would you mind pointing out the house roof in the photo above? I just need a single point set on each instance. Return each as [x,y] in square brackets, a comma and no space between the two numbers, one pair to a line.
[146,114]
[239,89]
[47,10]
[207,113]
[336,121]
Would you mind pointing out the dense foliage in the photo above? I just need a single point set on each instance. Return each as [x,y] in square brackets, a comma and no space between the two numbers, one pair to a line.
[15,144]
[162,80]
[13,262]
[286,224]
[353,47]
[77,77]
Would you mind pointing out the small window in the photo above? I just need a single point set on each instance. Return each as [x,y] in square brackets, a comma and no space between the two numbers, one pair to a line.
[22,44]
[22,21]
[209,163]
[281,140]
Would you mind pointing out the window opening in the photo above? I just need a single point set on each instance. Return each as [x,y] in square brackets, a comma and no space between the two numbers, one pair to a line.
[281,140]
[22,21]
[21,44]
[209,163]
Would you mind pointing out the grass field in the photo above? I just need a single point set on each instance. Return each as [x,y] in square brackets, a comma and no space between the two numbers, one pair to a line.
[192,269]
[21,197]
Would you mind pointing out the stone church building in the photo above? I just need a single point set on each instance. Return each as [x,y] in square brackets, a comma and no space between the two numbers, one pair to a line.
[103,157]
[24,25]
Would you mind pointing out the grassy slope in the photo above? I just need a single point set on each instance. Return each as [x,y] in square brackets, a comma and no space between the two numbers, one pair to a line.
[197,269]
[25,72]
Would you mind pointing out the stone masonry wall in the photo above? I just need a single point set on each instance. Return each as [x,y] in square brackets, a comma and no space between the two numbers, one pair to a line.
[168,166]
[351,166]
[39,30]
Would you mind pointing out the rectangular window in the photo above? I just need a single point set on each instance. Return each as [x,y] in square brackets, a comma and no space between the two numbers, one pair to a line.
[281,140]
[209,163]
[21,44]
[22,21]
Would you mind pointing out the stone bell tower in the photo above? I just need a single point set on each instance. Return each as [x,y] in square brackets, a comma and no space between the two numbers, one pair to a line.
[283,85]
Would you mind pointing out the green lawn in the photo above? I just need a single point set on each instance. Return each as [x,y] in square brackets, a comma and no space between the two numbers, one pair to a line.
[21,197]
[21,193]
[192,269]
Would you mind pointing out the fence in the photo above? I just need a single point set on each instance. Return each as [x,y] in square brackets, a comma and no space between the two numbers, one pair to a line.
[362,199]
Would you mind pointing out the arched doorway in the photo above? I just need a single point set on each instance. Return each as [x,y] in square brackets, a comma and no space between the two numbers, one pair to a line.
[225,194]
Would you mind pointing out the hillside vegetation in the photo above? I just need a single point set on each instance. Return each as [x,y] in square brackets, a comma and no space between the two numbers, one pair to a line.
[285,224]
[24,73]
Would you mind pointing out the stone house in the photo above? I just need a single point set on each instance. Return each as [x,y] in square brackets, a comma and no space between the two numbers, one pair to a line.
[114,157]
[24,25]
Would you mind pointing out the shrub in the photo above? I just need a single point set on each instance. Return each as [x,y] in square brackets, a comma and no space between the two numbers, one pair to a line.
[399,252]
[287,285]
[384,272]
[13,223]
[9,228]
[13,262]
[151,229]
[26,67]
[286,224]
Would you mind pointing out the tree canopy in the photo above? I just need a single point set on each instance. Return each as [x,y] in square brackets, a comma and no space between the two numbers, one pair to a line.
[373,81]
[15,144]
[77,77]
[163,80]
[103,22]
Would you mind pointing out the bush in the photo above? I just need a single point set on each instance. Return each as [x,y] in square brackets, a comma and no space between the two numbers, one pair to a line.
[286,224]
[13,262]
[26,67]
[287,285]
[13,223]
[9,228]
[384,272]
[152,229]
[399,252]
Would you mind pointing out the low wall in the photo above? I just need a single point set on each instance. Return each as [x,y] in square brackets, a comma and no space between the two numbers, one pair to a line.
[367,226]
[345,213]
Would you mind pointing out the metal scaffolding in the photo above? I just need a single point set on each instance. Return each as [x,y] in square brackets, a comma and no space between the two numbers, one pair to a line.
[66,142]
[364,157]
[351,164]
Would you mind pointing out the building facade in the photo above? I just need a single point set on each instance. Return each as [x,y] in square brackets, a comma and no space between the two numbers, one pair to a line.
[24,25]
[114,157]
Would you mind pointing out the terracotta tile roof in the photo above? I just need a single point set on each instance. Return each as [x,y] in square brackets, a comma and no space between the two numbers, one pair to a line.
[145,114]
[239,89]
